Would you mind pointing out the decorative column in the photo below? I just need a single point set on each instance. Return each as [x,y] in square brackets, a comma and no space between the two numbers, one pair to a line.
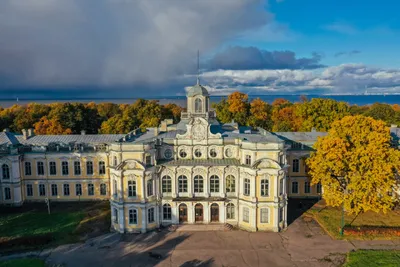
[206,212]
[206,183]
[144,220]
[190,184]
[142,187]
[174,184]
[222,212]
[121,219]
[253,190]
[222,184]
[190,212]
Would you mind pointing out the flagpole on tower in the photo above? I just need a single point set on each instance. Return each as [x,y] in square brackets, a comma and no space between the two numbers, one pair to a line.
[198,67]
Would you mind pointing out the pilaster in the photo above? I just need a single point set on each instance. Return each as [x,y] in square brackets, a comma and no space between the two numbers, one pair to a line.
[144,220]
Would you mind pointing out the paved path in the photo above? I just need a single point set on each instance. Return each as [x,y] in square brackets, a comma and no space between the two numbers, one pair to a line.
[302,244]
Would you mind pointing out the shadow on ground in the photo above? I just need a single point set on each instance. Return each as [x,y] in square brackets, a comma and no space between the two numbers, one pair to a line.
[298,206]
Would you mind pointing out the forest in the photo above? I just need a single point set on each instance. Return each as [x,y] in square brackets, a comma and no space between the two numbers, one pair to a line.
[108,118]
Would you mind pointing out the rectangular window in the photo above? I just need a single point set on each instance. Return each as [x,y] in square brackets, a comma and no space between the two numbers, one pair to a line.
[53,169]
[246,216]
[115,219]
[307,187]
[89,167]
[102,167]
[90,189]
[230,211]
[28,168]
[131,188]
[29,190]
[65,170]
[40,168]
[280,214]
[319,188]
[295,187]
[103,189]
[132,216]
[78,189]
[167,212]
[148,160]
[296,165]
[7,193]
[264,188]
[248,160]
[296,145]
[66,189]
[280,186]
[150,214]
[149,188]
[54,190]
[42,190]
[77,168]
[264,215]
[246,191]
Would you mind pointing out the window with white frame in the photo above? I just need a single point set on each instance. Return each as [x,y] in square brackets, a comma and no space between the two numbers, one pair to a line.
[213,153]
[182,153]
[131,188]
[64,166]
[132,216]
[40,168]
[115,215]
[230,211]
[166,184]
[264,187]
[197,153]
[148,159]
[42,190]
[28,168]
[89,167]
[198,105]
[78,189]
[248,160]
[150,215]
[7,193]
[182,184]
[53,168]
[149,188]
[66,189]
[307,187]
[6,171]
[296,165]
[77,168]
[54,190]
[246,190]
[230,184]
[198,184]
[167,214]
[91,189]
[102,167]
[214,184]
[295,187]
[264,215]
[103,189]
[29,190]
[246,214]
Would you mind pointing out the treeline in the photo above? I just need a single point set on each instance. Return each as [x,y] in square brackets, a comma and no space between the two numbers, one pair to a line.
[72,118]
[279,116]
[285,116]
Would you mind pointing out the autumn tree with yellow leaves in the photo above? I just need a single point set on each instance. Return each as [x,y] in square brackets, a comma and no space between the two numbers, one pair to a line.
[356,165]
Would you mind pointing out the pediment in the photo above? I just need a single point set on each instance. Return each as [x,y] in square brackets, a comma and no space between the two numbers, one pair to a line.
[131,164]
[266,164]
[198,129]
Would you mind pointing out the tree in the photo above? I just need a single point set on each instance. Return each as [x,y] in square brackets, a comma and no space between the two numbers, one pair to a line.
[222,110]
[356,165]
[171,111]
[260,114]
[285,118]
[319,113]
[45,127]
[380,111]
[107,110]
[118,124]
[239,107]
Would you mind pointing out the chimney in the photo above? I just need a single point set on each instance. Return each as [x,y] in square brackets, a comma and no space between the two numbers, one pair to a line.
[83,132]
[30,132]
[313,130]
[6,130]
[164,126]
[155,131]
[25,134]
[393,126]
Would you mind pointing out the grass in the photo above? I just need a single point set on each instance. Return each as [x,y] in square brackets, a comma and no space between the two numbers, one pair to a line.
[22,263]
[31,227]
[330,219]
[372,258]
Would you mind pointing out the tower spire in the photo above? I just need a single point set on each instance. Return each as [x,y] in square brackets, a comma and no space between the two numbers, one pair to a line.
[198,68]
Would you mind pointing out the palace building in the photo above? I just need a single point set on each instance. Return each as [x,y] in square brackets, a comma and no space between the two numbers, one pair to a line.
[196,171]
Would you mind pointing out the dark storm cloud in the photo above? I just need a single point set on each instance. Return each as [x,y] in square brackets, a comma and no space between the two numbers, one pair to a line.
[248,58]
[347,53]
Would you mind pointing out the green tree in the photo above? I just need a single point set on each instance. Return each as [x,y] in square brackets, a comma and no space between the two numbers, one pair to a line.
[222,110]
[380,111]
[356,165]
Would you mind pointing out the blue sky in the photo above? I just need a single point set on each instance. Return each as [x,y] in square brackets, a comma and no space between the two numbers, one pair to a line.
[131,48]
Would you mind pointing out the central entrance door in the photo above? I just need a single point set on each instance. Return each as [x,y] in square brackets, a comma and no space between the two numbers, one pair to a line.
[198,210]
[182,213]
[214,213]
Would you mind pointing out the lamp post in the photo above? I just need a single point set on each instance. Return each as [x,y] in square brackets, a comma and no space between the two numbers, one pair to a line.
[341,232]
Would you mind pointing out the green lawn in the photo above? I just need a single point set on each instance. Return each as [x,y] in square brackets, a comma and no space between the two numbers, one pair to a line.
[28,228]
[330,219]
[373,258]
[22,263]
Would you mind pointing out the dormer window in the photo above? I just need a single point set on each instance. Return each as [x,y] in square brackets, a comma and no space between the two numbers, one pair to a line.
[198,106]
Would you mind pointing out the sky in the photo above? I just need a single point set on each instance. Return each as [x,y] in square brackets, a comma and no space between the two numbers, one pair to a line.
[148,48]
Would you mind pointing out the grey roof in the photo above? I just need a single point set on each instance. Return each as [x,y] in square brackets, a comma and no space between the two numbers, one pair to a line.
[197,90]
[66,139]
[300,136]
[253,137]
[7,138]
[200,162]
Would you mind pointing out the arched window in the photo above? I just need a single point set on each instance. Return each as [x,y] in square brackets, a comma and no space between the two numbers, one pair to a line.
[198,184]
[167,212]
[214,184]
[182,184]
[198,106]
[230,211]
[166,184]
[6,171]
[230,184]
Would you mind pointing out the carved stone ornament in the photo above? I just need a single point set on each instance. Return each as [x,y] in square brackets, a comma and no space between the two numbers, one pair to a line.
[216,170]
[182,171]
[200,171]
[168,172]
[231,170]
